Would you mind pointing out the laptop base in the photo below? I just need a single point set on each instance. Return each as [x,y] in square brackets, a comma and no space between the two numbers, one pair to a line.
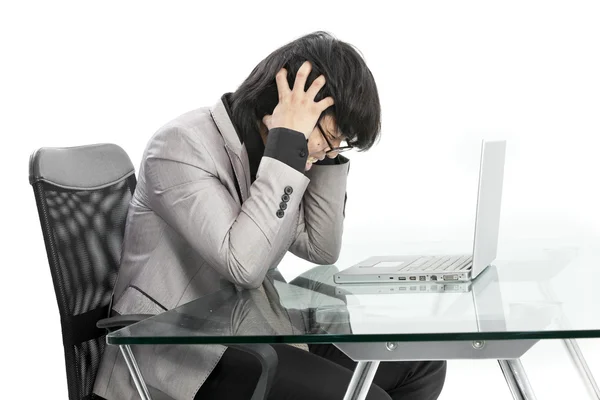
[392,269]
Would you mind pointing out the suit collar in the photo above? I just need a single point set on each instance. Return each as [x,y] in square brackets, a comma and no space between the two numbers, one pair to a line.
[235,149]
[250,140]
[223,121]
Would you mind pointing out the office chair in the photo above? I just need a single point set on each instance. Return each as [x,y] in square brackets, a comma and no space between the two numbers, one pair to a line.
[82,195]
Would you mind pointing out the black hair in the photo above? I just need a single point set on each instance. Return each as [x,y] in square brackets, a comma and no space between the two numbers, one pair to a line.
[349,81]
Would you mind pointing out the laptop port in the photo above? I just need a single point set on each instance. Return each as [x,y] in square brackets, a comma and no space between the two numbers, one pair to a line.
[422,278]
[413,278]
[450,277]
[401,278]
[433,278]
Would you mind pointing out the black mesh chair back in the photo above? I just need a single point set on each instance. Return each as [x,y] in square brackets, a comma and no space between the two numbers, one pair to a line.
[82,195]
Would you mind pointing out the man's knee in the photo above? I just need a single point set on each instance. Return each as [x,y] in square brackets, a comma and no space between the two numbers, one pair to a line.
[377,393]
[435,375]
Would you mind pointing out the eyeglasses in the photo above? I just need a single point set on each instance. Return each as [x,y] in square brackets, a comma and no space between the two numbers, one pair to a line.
[332,149]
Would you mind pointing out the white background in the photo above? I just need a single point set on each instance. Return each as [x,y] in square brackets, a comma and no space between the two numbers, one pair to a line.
[449,74]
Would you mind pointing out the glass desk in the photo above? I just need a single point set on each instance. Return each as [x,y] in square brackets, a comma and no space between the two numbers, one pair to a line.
[500,315]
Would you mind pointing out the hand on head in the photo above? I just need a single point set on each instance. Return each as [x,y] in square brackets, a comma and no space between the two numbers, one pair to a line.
[297,109]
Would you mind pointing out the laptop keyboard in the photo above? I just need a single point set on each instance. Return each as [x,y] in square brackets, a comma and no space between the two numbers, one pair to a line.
[434,263]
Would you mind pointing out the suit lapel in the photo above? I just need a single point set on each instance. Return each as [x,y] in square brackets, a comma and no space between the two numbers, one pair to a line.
[235,149]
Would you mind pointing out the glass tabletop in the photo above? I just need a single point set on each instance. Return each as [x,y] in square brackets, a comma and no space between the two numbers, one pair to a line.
[555,296]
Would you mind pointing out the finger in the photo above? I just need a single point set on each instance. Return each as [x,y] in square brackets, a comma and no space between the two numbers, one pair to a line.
[301,76]
[325,103]
[283,87]
[315,87]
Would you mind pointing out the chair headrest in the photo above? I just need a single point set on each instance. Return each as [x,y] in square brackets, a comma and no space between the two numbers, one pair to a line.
[83,167]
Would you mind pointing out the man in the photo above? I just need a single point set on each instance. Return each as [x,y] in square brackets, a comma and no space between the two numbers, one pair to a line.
[223,193]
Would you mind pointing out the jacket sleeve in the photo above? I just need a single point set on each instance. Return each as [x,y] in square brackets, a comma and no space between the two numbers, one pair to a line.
[321,219]
[184,190]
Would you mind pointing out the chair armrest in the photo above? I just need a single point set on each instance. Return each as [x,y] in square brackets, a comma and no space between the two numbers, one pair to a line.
[268,360]
[264,352]
[120,321]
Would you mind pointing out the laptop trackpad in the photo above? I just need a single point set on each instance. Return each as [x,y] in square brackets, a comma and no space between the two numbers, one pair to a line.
[390,265]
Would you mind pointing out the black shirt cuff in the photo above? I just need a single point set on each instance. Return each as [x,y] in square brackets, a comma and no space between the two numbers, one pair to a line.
[329,161]
[339,159]
[287,146]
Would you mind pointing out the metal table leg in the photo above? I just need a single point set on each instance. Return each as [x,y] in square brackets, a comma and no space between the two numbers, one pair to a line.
[135,372]
[574,350]
[517,379]
[368,356]
[582,366]
[361,380]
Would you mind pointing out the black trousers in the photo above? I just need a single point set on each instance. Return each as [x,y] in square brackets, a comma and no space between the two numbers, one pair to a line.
[321,374]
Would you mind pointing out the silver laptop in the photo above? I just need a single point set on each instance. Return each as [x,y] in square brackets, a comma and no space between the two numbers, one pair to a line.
[454,268]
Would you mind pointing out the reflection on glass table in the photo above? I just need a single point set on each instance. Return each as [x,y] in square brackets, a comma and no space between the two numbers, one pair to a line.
[500,315]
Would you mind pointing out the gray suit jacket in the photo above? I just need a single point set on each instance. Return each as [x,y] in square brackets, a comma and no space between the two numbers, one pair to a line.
[188,234]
